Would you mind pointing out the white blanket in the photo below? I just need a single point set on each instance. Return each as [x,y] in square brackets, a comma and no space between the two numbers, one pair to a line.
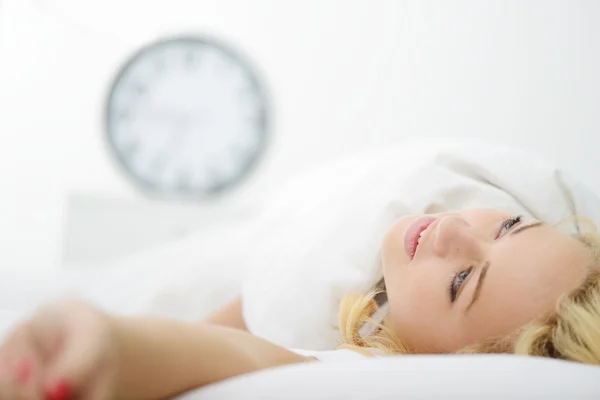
[187,279]
[325,227]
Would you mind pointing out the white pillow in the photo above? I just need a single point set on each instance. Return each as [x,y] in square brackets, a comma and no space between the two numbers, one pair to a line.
[322,231]
[415,377]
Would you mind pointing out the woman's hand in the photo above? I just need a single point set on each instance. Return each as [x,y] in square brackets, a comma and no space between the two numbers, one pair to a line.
[66,350]
[72,350]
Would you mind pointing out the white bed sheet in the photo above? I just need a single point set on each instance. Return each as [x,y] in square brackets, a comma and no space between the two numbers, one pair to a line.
[416,378]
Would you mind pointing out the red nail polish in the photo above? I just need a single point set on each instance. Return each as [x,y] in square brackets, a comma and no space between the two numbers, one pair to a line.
[23,371]
[60,391]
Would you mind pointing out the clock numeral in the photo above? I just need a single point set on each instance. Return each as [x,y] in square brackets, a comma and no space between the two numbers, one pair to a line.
[249,95]
[215,182]
[215,187]
[129,150]
[190,60]
[159,64]
[226,68]
[123,115]
[139,89]
[239,154]
[183,181]
[259,120]
[157,165]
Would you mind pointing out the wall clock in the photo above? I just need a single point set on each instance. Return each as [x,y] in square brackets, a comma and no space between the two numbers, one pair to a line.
[187,117]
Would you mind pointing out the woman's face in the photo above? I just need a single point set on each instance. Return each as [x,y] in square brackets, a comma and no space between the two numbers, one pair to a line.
[474,275]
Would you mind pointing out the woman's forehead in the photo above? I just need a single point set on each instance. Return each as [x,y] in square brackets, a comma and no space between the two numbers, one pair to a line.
[543,252]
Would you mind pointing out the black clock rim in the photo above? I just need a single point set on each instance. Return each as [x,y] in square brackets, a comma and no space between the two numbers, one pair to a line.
[147,186]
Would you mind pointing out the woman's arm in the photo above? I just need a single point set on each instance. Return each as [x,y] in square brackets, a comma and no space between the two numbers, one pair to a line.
[229,315]
[162,358]
[70,349]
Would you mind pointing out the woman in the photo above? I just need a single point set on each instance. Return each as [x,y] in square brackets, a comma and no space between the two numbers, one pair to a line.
[473,281]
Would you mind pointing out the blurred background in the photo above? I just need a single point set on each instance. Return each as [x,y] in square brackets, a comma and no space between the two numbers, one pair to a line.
[323,78]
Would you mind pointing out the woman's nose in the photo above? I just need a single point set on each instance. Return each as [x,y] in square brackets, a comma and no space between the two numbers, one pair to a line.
[456,239]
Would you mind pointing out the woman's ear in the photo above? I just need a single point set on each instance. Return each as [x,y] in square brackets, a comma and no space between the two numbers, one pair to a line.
[381,296]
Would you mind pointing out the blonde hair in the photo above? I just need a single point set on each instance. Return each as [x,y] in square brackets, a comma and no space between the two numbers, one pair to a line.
[570,332]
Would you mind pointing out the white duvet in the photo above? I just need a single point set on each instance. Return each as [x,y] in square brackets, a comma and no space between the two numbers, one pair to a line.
[326,226]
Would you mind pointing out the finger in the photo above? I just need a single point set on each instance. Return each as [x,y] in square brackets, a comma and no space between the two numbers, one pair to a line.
[61,390]
[75,363]
[101,391]
[7,387]
[73,368]
[20,366]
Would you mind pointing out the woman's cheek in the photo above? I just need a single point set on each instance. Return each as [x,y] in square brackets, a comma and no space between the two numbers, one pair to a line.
[419,292]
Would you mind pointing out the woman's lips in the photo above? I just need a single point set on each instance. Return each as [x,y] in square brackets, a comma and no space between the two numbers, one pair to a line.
[411,237]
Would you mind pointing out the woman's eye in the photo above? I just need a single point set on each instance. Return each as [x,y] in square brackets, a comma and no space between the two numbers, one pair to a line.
[509,223]
[457,282]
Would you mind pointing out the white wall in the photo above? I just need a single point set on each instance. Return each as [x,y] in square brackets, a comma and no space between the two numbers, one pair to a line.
[345,75]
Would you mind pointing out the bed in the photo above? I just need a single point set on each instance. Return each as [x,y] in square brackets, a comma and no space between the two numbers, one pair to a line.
[192,277]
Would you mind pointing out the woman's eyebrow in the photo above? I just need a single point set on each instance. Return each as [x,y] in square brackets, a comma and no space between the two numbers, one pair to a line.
[486,266]
[524,228]
[482,276]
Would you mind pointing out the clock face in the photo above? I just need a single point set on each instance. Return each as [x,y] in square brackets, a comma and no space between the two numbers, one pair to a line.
[187,117]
